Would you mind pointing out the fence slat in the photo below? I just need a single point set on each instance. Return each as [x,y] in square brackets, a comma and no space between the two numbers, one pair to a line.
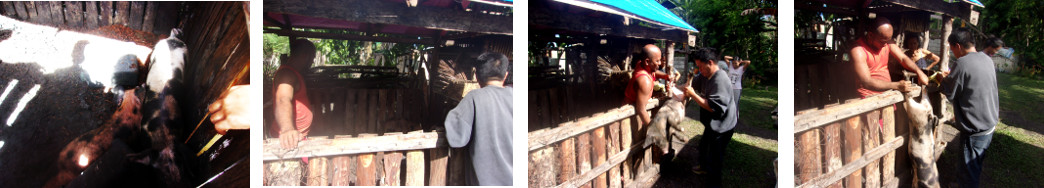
[822,117]
[853,149]
[345,146]
[545,137]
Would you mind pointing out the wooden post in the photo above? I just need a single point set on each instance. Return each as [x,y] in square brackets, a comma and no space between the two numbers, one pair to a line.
[625,142]
[832,149]
[367,170]
[105,13]
[807,151]
[415,168]
[598,144]
[566,160]
[614,148]
[317,172]
[888,134]
[341,165]
[439,158]
[541,168]
[947,29]
[74,14]
[871,136]
[392,164]
[30,9]
[284,172]
[57,14]
[853,149]
[91,18]
[583,154]
[122,12]
[149,22]
[43,11]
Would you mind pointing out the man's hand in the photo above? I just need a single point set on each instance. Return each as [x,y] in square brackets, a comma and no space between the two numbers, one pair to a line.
[904,86]
[289,138]
[921,78]
[231,111]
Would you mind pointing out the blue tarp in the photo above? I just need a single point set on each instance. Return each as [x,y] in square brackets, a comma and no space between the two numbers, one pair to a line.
[648,9]
[975,2]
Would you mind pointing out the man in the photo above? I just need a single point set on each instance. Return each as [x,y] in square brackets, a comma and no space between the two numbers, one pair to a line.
[483,120]
[870,58]
[993,45]
[293,114]
[971,86]
[714,96]
[640,88]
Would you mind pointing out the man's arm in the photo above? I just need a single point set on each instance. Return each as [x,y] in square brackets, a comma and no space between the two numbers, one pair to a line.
[702,102]
[460,121]
[908,63]
[284,110]
[644,94]
[863,73]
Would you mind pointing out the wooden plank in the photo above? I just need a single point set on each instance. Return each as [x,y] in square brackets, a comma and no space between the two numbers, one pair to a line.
[382,110]
[367,173]
[363,110]
[137,13]
[825,116]
[566,153]
[371,111]
[341,165]
[871,138]
[345,146]
[832,149]
[317,168]
[17,10]
[807,152]
[122,12]
[74,14]
[392,165]
[541,168]
[149,22]
[887,134]
[284,172]
[57,15]
[105,11]
[855,165]
[415,168]
[383,12]
[349,112]
[90,17]
[543,138]
[30,8]
[853,150]
[583,154]
[439,157]
[614,147]
[625,140]
[598,143]
[43,9]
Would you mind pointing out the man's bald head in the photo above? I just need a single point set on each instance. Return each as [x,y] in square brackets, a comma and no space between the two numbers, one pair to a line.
[652,55]
[881,32]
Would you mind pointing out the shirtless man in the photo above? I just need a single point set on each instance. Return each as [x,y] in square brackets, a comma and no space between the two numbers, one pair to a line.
[870,60]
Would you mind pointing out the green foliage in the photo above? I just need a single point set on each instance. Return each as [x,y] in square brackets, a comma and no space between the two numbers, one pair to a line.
[1020,25]
[274,45]
[723,25]
[340,52]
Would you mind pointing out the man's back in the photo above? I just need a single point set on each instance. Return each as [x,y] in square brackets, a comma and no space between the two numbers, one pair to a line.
[972,86]
[483,121]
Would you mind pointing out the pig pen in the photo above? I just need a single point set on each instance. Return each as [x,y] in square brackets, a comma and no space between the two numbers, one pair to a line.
[56,65]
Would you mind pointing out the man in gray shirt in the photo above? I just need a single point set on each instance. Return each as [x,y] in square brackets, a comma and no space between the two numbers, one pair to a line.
[713,94]
[482,122]
[972,88]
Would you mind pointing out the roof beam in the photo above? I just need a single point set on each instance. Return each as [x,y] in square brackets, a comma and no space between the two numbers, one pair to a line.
[341,36]
[395,13]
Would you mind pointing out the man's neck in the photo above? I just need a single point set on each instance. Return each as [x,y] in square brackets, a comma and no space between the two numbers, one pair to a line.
[497,83]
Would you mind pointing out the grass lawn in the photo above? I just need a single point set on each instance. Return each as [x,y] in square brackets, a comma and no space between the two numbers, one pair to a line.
[748,158]
[1015,157]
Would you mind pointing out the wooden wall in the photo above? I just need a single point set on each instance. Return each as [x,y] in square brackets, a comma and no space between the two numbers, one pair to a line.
[156,17]
[357,111]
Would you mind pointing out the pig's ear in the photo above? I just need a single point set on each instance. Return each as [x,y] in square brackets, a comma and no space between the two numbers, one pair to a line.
[175,33]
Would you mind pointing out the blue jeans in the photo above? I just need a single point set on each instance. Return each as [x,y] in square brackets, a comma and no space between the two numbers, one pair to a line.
[974,150]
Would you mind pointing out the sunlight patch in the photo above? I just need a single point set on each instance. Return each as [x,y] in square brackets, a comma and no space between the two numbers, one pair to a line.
[10,86]
[21,104]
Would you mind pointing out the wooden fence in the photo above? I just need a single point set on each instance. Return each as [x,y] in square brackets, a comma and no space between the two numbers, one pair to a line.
[358,111]
[392,159]
[156,17]
[594,150]
[855,139]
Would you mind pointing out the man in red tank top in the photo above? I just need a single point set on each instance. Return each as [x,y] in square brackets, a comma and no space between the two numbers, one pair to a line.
[640,88]
[870,59]
[293,114]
